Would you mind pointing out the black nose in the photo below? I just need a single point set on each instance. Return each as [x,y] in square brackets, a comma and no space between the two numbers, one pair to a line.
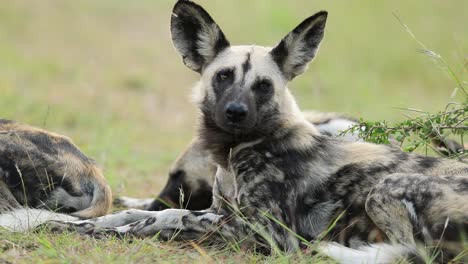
[236,112]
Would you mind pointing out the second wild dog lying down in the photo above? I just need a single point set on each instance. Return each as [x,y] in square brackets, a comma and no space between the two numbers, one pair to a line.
[42,173]
[279,182]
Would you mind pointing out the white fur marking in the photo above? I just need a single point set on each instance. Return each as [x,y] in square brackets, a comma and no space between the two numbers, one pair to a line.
[135,203]
[25,219]
[207,39]
[410,207]
[376,253]
[336,126]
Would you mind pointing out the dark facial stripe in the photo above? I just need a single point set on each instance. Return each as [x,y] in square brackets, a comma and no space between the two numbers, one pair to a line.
[246,66]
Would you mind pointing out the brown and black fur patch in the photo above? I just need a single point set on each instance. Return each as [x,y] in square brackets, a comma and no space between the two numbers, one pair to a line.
[40,169]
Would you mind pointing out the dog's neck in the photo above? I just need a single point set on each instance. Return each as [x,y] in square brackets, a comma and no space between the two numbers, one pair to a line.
[218,142]
[290,129]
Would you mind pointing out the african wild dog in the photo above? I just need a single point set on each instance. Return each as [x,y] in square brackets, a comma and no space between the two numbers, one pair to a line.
[46,171]
[274,170]
[191,176]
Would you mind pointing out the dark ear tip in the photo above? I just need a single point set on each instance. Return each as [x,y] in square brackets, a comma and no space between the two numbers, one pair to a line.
[323,14]
[183,3]
[189,8]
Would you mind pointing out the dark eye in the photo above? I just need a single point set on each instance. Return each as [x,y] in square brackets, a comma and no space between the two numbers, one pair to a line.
[224,75]
[263,86]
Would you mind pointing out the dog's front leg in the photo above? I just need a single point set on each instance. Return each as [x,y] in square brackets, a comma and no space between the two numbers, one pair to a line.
[204,227]
[108,221]
[170,224]
[173,224]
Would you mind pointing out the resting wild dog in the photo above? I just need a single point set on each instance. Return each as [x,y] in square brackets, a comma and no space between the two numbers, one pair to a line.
[276,170]
[191,176]
[43,170]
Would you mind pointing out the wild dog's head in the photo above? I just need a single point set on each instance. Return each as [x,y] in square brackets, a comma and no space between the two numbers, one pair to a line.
[243,88]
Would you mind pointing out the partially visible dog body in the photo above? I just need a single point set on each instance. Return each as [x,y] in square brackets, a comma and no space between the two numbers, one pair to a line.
[278,179]
[46,171]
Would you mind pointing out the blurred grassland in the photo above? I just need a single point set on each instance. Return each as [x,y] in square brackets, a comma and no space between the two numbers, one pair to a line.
[105,74]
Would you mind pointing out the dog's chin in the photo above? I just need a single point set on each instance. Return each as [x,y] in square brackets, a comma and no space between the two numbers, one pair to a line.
[236,129]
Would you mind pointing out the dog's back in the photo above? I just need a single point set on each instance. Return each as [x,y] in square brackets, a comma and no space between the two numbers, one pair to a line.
[40,169]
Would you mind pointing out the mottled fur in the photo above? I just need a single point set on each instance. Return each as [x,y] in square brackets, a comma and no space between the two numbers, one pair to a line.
[40,169]
[191,177]
[278,178]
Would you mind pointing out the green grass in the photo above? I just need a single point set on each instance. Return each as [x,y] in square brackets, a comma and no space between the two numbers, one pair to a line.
[105,74]
[43,247]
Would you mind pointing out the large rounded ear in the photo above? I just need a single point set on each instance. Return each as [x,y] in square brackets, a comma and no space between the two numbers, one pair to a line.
[195,35]
[298,48]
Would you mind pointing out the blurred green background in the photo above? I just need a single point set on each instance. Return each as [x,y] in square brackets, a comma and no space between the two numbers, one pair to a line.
[105,73]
